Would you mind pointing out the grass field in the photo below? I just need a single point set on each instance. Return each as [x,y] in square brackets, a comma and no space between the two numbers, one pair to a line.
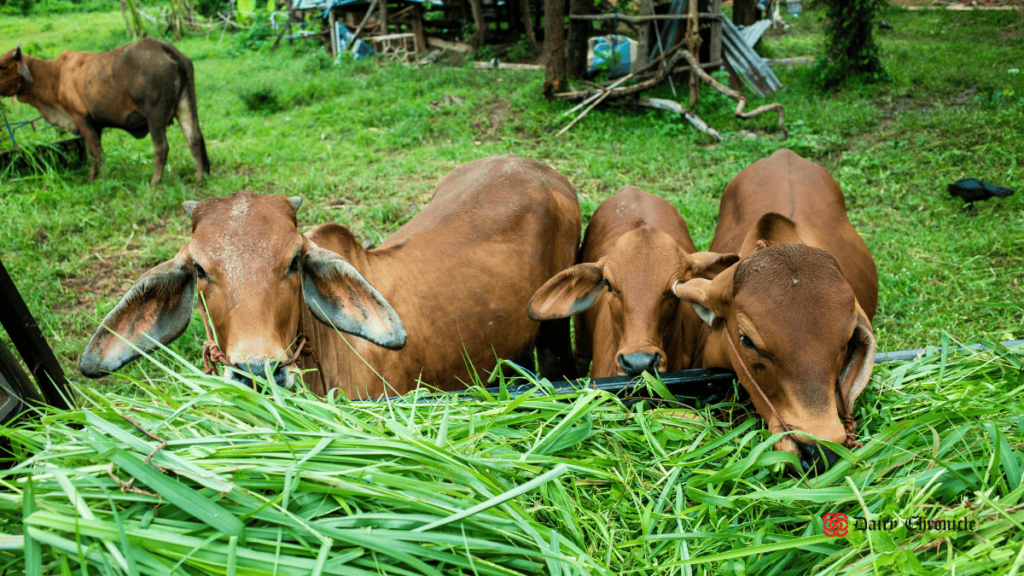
[645,492]
[365,136]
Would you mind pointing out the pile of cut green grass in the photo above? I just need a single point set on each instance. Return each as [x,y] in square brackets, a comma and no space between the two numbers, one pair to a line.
[287,483]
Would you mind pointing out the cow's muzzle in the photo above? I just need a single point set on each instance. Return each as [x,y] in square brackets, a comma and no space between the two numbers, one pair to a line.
[639,362]
[254,372]
[815,458]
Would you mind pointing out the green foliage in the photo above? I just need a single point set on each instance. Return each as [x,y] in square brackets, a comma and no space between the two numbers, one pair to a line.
[522,50]
[484,54]
[255,36]
[574,484]
[851,52]
[261,98]
[210,8]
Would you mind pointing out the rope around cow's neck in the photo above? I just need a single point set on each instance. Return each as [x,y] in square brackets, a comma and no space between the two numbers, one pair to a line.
[212,354]
[849,422]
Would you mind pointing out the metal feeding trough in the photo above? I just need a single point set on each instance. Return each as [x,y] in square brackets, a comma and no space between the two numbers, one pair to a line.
[693,387]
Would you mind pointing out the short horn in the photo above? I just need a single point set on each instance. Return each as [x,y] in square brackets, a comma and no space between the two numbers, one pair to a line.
[189,206]
[295,201]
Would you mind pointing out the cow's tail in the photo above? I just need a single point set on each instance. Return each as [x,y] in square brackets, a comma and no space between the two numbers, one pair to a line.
[188,109]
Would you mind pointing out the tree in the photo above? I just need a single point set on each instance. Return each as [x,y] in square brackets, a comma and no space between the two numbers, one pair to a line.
[850,48]
[744,12]
[554,42]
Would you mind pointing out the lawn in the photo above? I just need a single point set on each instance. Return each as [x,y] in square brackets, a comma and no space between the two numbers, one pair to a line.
[646,491]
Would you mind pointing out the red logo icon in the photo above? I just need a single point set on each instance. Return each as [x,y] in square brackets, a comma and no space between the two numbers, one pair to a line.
[835,525]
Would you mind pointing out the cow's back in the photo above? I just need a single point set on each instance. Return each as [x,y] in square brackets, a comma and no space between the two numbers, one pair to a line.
[460,273]
[121,87]
[805,193]
[629,209]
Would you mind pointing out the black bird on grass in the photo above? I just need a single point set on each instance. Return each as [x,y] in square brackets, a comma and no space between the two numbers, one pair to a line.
[971,190]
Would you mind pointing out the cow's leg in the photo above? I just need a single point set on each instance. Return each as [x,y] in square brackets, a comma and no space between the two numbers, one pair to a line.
[92,145]
[158,130]
[554,350]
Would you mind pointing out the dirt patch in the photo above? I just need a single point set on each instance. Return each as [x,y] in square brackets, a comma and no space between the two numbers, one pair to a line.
[1011,33]
[895,106]
[496,115]
[104,279]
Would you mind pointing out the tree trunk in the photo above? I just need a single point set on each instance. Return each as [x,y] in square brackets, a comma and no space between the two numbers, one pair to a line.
[576,56]
[477,41]
[554,42]
[744,12]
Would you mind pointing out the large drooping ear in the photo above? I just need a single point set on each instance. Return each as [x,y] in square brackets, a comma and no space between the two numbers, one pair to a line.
[709,264]
[710,299]
[22,67]
[158,307]
[338,295]
[860,359]
[567,293]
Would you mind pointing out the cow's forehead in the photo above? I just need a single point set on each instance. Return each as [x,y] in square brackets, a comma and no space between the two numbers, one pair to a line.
[645,252]
[244,235]
[795,289]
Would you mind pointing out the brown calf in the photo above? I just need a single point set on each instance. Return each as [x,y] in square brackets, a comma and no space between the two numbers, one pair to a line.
[627,318]
[139,88]
[458,276]
[793,316]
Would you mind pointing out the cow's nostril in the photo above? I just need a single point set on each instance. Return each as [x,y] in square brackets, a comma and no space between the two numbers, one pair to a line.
[814,458]
[639,362]
[244,372]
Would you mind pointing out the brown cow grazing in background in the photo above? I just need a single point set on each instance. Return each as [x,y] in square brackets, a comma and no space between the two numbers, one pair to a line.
[139,88]
[793,317]
[450,287]
[628,320]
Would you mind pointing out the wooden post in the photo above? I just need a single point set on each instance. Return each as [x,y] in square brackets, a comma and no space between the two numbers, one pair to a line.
[383,18]
[477,41]
[554,42]
[334,32]
[716,32]
[576,55]
[693,46]
[417,29]
[644,40]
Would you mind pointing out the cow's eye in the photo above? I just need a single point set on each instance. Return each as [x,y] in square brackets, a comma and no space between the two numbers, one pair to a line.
[748,343]
[200,273]
[294,267]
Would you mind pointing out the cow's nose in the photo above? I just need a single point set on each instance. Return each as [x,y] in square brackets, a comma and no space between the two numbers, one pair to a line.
[244,372]
[639,362]
[814,458]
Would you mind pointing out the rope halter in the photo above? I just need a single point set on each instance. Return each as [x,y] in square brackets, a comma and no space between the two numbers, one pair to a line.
[212,354]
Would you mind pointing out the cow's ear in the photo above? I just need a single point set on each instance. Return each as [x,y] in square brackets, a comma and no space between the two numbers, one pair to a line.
[22,68]
[567,293]
[711,299]
[860,359]
[709,264]
[156,309]
[338,295]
